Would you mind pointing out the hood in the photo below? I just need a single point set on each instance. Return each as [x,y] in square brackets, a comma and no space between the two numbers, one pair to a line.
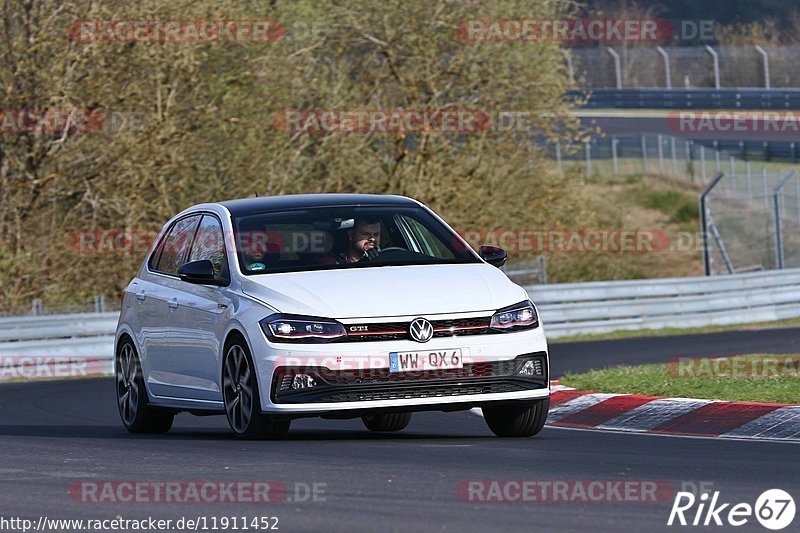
[386,291]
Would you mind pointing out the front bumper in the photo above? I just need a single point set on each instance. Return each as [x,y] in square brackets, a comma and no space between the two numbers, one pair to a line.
[354,377]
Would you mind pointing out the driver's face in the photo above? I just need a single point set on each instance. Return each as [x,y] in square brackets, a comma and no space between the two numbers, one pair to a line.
[366,236]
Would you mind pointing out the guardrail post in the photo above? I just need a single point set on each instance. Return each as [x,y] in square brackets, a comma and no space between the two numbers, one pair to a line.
[704,222]
[99,303]
[765,56]
[715,58]
[36,307]
[617,66]
[667,74]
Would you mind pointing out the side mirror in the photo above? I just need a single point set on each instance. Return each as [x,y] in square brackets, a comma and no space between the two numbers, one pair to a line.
[493,255]
[200,272]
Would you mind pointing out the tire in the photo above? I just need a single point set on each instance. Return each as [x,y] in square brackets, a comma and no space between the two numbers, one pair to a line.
[241,398]
[516,421]
[137,415]
[387,421]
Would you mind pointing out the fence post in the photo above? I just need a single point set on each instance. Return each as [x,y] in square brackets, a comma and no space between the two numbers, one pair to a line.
[776,205]
[716,155]
[765,56]
[614,161]
[667,74]
[36,307]
[644,153]
[558,158]
[661,152]
[715,58]
[704,222]
[570,67]
[674,157]
[588,149]
[617,66]
[542,269]
[703,161]
[99,303]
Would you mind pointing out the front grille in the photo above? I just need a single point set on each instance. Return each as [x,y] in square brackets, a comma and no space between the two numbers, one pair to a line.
[382,375]
[379,383]
[417,392]
[390,331]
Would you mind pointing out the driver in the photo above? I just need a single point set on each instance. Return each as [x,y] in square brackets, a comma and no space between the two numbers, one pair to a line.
[363,241]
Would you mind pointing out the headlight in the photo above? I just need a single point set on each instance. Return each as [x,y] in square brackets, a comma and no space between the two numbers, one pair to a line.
[515,317]
[293,328]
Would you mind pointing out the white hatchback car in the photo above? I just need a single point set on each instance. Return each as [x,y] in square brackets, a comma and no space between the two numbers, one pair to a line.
[331,305]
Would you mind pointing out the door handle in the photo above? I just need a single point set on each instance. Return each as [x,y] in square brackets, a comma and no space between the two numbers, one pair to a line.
[141,295]
[173,303]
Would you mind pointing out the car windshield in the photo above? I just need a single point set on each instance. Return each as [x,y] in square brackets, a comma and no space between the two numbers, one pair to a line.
[344,237]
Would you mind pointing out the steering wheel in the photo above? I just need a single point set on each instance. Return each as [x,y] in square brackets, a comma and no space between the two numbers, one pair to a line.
[393,248]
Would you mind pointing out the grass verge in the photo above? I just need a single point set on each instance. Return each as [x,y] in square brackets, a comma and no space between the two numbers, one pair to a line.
[668,332]
[749,378]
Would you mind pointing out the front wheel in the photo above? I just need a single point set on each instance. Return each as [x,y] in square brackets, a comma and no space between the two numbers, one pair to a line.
[241,398]
[138,416]
[516,421]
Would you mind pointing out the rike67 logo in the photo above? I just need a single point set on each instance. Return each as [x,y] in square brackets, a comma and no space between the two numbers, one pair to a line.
[774,509]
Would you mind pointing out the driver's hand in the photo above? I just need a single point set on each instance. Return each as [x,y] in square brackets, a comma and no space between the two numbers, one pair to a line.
[371,254]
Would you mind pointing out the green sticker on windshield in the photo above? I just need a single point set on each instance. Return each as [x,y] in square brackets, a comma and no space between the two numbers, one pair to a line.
[257,266]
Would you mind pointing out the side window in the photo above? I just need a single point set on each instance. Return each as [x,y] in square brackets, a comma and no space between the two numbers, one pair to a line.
[176,244]
[209,244]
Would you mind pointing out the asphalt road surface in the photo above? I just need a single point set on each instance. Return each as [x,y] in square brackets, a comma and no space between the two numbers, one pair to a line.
[56,436]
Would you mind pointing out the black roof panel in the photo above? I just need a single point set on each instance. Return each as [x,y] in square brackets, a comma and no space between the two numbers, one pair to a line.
[301,201]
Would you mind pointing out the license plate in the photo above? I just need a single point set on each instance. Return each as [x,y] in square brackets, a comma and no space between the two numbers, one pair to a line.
[425,360]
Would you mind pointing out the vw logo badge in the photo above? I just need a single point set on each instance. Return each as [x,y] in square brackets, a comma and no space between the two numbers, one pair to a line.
[421,330]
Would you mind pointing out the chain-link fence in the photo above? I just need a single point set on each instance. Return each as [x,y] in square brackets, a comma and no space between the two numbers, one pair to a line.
[656,154]
[98,304]
[752,222]
[685,67]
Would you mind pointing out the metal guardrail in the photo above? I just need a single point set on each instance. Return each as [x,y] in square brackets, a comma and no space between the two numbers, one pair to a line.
[566,309]
[702,98]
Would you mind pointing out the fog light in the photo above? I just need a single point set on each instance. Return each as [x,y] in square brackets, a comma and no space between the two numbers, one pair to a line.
[303,381]
[532,367]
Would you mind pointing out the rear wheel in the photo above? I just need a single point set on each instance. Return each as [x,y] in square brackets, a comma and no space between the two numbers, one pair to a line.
[241,398]
[517,421]
[386,421]
[138,416]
